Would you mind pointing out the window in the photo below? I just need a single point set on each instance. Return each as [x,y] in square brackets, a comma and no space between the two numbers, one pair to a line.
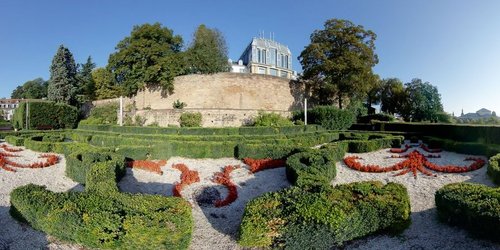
[273,72]
[259,58]
[263,56]
[262,70]
[282,61]
[276,57]
[286,62]
[284,74]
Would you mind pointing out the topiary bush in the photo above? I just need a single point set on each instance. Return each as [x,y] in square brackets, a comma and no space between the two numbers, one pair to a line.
[271,120]
[190,119]
[314,166]
[79,162]
[328,117]
[494,168]
[46,115]
[103,218]
[323,217]
[475,207]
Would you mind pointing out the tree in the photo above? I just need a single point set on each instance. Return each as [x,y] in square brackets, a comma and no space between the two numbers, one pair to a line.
[33,89]
[62,84]
[105,85]
[392,95]
[207,53]
[86,85]
[374,92]
[340,55]
[149,57]
[423,102]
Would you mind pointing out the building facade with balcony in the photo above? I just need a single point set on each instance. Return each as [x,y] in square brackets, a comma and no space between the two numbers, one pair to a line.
[267,57]
[7,107]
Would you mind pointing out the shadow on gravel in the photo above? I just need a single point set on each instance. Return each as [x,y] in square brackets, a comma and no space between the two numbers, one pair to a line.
[227,219]
[130,184]
[16,235]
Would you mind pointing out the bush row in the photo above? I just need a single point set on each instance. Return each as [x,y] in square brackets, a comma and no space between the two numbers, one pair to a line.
[474,148]
[494,168]
[79,162]
[323,217]
[473,206]
[328,117]
[45,115]
[101,217]
[461,133]
[203,131]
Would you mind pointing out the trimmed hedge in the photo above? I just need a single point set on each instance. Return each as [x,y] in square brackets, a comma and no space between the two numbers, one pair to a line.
[80,161]
[494,169]
[463,147]
[328,117]
[103,218]
[203,131]
[376,117]
[472,206]
[15,140]
[323,217]
[46,115]
[314,167]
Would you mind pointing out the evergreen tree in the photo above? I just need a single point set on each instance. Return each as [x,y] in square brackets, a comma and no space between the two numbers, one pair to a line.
[86,85]
[62,85]
[208,52]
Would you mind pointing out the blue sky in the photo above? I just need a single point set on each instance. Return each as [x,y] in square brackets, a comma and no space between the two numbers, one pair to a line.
[455,45]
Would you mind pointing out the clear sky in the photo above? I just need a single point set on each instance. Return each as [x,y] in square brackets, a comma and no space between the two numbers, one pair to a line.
[453,44]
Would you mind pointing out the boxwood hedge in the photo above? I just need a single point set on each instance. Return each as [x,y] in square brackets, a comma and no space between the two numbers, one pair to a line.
[103,218]
[323,217]
[475,207]
[494,168]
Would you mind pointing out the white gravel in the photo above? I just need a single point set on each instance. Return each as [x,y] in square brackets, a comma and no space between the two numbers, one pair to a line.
[216,228]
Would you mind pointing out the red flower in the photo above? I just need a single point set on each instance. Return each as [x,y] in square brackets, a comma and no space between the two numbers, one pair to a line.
[187,177]
[148,165]
[257,165]
[224,178]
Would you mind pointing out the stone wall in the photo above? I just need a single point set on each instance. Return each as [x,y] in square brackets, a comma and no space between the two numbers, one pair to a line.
[224,99]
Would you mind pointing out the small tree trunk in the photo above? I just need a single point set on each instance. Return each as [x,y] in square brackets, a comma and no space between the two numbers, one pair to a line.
[340,101]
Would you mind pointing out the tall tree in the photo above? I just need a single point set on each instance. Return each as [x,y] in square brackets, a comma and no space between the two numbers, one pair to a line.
[62,84]
[340,55]
[149,57]
[105,85]
[207,53]
[33,89]
[423,102]
[374,91]
[86,85]
[392,96]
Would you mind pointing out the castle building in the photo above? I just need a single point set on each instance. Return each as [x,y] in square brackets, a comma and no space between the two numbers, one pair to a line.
[7,107]
[267,57]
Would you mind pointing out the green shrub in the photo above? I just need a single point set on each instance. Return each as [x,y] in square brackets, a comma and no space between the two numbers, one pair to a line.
[271,120]
[139,120]
[103,114]
[46,115]
[15,140]
[79,162]
[178,104]
[190,119]
[472,206]
[314,167]
[376,117]
[328,117]
[102,218]
[323,217]
[494,168]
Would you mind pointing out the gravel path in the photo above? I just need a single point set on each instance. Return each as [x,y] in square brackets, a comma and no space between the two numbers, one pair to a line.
[216,228]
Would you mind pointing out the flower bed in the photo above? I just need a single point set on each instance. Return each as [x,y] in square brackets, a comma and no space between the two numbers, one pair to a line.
[257,165]
[187,177]
[224,178]
[415,162]
[150,166]
[5,162]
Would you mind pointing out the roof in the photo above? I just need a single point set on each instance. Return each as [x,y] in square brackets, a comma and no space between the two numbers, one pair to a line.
[267,43]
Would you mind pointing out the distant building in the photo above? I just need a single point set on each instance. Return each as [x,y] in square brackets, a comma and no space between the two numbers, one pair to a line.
[7,107]
[267,57]
[482,113]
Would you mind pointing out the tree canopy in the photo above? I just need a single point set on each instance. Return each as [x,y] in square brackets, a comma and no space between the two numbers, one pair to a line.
[149,57]
[207,53]
[105,85]
[423,101]
[33,89]
[62,84]
[339,58]
[86,85]
[392,96]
